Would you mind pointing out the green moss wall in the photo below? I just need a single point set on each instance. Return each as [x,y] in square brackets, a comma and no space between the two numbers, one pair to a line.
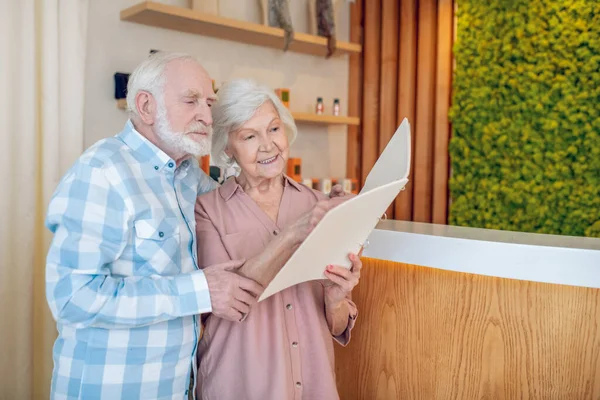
[525,146]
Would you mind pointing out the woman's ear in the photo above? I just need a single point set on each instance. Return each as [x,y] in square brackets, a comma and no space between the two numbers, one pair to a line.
[228,152]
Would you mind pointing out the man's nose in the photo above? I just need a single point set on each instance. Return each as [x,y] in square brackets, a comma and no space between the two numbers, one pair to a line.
[204,115]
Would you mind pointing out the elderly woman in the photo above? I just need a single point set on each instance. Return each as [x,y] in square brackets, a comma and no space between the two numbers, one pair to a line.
[283,348]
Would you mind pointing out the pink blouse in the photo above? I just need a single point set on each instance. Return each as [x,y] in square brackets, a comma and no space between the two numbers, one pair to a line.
[284,348]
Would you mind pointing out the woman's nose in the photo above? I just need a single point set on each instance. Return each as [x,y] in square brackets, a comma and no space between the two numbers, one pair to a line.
[266,143]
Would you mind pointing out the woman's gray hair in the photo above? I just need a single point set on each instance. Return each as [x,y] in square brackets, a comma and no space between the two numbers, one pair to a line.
[237,102]
[149,76]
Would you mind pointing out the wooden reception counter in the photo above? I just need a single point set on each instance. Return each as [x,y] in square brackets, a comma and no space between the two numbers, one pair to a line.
[461,313]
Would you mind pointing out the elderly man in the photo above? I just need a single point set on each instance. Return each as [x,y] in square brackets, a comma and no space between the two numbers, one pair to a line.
[122,276]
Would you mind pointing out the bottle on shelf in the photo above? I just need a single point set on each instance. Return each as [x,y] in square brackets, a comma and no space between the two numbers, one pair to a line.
[320,107]
[336,107]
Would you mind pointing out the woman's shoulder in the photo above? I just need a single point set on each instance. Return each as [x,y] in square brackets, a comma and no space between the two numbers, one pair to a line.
[212,202]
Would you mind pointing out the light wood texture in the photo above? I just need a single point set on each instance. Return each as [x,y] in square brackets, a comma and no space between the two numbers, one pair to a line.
[423,154]
[388,96]
[443,93]
[371,75]
[325,119]
[354,92]
[424,333]
[407,78]
[187,20]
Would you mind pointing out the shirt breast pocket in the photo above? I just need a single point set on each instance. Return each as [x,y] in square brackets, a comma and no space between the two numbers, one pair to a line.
[157,249]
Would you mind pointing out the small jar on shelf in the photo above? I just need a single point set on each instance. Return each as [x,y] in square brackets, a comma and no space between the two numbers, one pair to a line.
[320,109]
[336,107]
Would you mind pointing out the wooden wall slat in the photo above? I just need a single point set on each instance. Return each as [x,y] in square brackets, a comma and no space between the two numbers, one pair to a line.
[389,77]
[443,90]
[371,77]
[355,86]
[407,79]
[424,333]
[423,171]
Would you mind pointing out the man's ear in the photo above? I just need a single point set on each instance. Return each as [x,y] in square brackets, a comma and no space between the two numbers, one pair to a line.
[146,107]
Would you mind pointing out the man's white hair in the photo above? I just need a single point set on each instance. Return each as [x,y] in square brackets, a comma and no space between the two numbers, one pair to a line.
[237,102]
[149,76]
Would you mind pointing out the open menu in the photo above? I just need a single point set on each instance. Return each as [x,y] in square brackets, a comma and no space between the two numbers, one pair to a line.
[345,228]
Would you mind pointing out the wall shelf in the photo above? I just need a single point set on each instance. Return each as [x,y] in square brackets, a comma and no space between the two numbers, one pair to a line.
[187,20]
[325,119]
[298,117]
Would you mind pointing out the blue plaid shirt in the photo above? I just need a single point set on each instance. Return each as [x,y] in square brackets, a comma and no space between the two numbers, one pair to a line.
[122,278]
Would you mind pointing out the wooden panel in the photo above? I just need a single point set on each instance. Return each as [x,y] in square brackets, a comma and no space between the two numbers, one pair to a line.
[186,20]
[423,171]
[424,333]
[407,78]
[389,77]
[354,92]
[442,104]
[371,76]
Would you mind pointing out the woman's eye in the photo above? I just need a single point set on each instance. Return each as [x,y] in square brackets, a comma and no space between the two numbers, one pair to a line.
[275,129]
[248,137]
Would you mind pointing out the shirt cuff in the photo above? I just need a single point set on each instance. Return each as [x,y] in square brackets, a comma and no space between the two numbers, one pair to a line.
[344,338]
[194,297]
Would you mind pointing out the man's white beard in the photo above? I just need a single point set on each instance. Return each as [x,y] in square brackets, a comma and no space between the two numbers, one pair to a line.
[179,142]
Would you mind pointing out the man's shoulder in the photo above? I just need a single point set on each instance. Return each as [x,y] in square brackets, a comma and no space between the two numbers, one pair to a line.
[106,153]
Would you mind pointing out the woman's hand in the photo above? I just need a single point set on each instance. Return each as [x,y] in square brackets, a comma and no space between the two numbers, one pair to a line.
[342,281]
[299,230]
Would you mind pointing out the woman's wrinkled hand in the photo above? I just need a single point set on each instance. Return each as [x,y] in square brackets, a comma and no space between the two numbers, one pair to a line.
[341,281]
[299,230]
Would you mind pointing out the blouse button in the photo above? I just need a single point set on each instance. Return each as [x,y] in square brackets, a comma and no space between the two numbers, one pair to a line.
[289,306]
[294,344]
[161,234]
[298,384]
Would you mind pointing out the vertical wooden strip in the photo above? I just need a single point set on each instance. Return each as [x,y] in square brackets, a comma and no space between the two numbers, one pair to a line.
[354,91]
[423,172]
[371,75]
[442,104]
[389,77]
[407,82]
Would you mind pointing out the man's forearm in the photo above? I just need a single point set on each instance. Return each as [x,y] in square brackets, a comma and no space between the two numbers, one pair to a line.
[267,264]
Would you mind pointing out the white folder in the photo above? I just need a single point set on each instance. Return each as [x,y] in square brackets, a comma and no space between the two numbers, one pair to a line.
[345,228]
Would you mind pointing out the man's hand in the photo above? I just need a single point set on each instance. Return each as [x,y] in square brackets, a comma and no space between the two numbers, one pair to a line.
[231,295]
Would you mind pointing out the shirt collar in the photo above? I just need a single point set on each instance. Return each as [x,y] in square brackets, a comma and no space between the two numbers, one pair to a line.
[228,189]
[145,150]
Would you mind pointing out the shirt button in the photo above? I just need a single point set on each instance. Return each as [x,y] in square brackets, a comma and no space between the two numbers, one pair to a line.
[298,384]
[161,234]
[156,167]
[294,344]
[289,306]
[171,165]
[275,233]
